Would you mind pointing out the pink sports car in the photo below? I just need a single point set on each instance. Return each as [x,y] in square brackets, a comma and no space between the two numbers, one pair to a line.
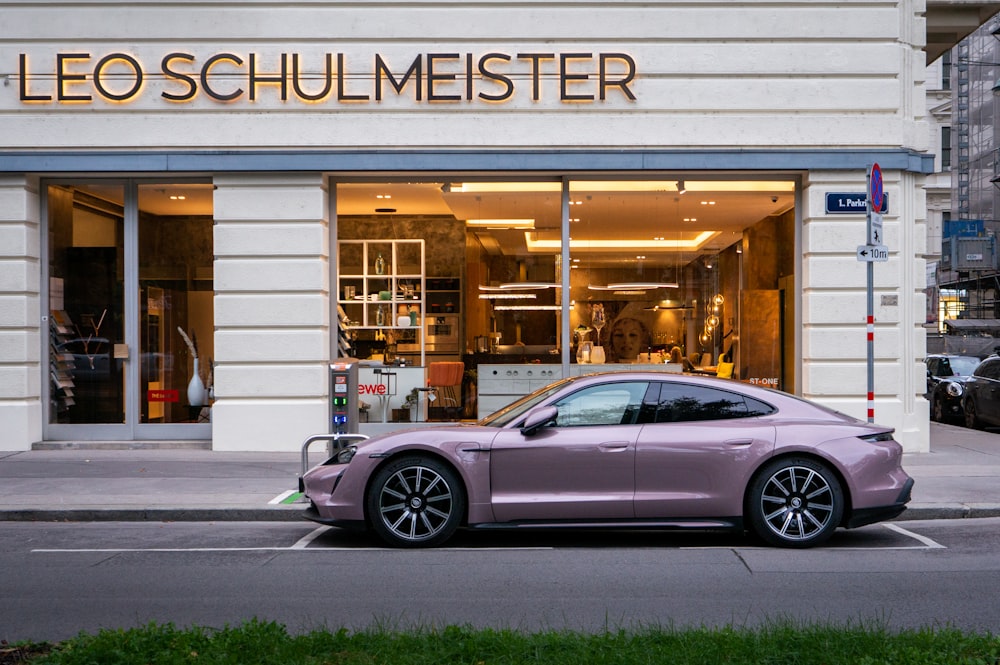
[622,449]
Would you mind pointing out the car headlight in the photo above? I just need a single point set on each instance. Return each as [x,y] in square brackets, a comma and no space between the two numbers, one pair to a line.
[954,389]
[346,455]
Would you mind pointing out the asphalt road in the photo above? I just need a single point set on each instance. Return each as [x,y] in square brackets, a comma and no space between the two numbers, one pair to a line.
[57,579]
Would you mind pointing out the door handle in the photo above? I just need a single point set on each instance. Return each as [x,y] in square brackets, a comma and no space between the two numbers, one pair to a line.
[614,445]
[738,442]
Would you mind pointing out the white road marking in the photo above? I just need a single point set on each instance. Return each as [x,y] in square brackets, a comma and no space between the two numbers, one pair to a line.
[916,536]
[305,540]
[281,497]
[302,544]
[121,550]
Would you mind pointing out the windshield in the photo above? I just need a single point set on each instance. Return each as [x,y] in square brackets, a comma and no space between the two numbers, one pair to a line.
[513,411]
[963,365]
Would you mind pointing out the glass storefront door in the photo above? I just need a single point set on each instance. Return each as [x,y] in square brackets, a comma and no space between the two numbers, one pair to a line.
[129,310]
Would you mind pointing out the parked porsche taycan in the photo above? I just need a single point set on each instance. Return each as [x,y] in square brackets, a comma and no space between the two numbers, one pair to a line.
[622,449]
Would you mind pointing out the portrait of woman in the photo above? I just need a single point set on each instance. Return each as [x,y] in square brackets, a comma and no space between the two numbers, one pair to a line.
[628,337]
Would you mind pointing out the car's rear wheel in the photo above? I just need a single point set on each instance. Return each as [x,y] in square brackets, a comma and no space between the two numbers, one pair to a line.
[415,502]
[972,416]
[795,503]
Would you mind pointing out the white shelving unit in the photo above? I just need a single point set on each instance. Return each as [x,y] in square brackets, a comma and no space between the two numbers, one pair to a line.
[365,285]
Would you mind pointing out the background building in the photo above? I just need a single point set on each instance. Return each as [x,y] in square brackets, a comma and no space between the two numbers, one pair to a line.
[967,274]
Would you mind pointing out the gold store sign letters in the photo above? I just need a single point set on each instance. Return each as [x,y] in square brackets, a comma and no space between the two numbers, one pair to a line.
[86,78]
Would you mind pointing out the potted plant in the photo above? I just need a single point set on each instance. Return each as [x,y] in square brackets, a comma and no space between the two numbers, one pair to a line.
[404,414]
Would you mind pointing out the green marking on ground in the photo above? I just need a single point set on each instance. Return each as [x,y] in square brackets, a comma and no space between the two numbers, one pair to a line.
[292,498]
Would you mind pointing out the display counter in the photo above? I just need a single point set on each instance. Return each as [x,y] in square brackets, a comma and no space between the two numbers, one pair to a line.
[385,387]
[499,384]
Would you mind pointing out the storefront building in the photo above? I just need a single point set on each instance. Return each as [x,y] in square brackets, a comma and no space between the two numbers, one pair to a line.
[203,205]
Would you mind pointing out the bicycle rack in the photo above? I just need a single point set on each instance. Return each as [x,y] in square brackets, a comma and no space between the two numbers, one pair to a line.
[332,441]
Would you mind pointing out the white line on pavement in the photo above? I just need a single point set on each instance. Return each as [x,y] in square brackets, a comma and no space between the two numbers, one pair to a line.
[281,497]
[308,538]
[916,536]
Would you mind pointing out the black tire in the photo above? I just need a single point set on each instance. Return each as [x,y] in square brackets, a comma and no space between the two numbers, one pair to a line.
[415,502]
[971,416]
[937,411]
[795,503]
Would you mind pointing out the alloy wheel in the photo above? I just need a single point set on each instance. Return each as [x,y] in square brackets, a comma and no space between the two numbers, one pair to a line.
[416,502]
[796,504]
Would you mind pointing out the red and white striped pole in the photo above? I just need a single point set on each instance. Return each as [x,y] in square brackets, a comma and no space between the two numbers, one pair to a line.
[871,360]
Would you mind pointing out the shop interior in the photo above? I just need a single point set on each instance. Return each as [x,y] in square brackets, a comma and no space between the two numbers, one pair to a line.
[130,282]
[696,273]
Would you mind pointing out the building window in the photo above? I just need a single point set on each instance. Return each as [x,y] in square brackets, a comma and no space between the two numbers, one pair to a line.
[946,70]
[945,148]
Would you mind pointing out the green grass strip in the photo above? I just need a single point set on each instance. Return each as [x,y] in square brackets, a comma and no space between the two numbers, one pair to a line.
[265,643]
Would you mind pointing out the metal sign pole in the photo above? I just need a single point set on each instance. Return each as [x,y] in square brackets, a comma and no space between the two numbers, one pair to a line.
[870,320]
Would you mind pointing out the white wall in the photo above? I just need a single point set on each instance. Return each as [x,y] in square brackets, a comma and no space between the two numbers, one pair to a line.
[709,74]
[271,311]
[834,299]
[20,315]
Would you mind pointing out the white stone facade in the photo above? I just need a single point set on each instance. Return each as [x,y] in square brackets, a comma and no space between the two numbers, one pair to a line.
[817,92]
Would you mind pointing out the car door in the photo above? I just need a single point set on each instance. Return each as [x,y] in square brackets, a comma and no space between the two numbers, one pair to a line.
[695,460]
[582,467]
[987,388]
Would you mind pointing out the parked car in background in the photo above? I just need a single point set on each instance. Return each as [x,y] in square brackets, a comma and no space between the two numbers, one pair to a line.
[630,450]
[946,377]
[981,402]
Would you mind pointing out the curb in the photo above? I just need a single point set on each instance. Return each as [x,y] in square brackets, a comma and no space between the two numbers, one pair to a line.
[949,511]
[164,514]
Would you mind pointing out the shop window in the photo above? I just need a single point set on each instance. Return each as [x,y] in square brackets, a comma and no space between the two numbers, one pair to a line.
[97,336]
[700,267]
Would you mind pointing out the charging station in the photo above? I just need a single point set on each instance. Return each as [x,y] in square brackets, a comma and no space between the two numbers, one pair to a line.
[344,413]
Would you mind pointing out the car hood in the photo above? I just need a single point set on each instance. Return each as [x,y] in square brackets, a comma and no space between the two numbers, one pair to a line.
[953,379]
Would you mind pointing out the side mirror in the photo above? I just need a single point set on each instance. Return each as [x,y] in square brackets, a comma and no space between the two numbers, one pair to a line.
[538,418]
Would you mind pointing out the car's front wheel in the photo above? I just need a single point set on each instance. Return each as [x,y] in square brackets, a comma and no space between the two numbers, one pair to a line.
[937,410]
[972,416]
[415,502]
[795,503]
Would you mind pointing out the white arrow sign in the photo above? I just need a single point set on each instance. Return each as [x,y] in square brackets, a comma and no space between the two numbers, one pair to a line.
[873,253]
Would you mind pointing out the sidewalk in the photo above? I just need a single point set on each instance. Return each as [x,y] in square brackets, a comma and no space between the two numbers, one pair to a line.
[959,478]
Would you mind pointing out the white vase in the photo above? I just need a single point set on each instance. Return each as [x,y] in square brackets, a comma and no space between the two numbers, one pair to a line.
[196,388]
[597,355]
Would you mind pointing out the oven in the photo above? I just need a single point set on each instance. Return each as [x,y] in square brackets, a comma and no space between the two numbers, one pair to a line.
[442,332]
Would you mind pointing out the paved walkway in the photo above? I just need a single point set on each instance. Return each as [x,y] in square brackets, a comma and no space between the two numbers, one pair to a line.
[959,477]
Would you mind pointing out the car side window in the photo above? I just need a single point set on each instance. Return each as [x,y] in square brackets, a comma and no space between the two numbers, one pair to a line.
[608,404]
[990,369]
[682,402]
